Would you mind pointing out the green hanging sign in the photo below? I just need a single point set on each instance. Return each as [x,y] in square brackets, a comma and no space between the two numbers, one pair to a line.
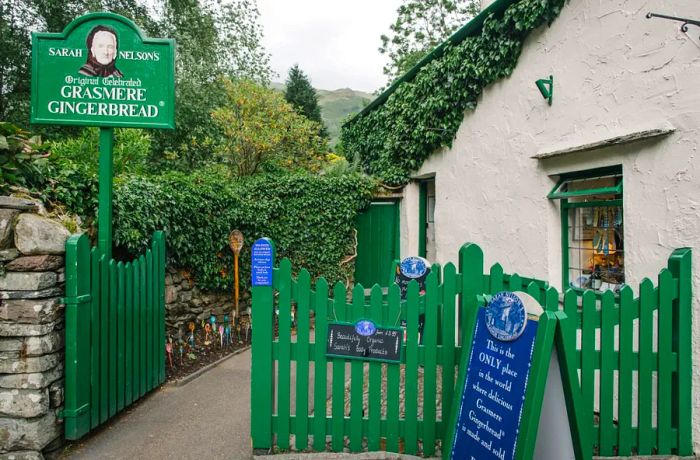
[103,71]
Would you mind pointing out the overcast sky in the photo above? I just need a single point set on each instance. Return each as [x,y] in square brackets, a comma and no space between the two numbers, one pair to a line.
[335,42]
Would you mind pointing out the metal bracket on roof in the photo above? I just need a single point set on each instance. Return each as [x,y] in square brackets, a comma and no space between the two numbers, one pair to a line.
[546,87]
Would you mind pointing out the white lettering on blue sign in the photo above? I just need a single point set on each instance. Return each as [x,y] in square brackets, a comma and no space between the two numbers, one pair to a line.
[261,263]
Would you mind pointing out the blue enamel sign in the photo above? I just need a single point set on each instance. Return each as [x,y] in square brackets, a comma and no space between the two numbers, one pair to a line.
[506,317]
[365,327]
[414,267]
[262,258]
[492,399]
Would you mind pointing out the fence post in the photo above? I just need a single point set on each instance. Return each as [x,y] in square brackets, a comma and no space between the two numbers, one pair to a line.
[679,265]
[77,300]
[262,374]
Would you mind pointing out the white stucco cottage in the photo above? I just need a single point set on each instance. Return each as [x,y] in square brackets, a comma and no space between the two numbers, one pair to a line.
[595,190]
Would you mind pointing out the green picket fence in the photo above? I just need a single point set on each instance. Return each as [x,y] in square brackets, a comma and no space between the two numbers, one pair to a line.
[115,332]
[320,415]
[637,353]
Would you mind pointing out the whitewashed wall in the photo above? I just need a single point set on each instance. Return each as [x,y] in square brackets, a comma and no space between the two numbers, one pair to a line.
[615,73]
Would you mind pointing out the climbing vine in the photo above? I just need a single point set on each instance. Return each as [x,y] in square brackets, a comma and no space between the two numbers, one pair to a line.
[424,114]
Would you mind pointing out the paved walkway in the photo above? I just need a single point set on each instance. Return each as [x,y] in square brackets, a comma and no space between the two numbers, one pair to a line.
[207,418]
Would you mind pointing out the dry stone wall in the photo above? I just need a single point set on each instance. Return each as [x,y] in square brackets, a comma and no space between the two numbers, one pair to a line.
[185,302]
[31,329]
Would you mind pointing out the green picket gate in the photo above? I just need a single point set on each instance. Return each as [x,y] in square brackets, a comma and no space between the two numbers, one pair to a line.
[335,403]
[637,353]
[115,332]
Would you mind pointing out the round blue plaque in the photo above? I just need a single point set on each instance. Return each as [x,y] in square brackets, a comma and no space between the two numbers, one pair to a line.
[506,316]
[365,327]
[413,267]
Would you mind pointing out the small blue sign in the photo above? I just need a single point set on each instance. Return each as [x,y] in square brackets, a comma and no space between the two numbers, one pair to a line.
[506,316]
[262,258]
[493,396]
[365,327]
[414,267]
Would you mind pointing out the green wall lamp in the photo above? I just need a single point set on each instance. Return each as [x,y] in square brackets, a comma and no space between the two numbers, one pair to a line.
[546,87]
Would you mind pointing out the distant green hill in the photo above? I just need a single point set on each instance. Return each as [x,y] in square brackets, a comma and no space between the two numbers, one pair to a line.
[336,105]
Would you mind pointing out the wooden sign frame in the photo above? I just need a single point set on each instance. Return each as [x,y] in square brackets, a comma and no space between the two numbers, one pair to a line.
[550,325]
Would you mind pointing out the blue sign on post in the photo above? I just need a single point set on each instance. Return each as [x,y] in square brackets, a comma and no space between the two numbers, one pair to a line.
[262,259]
[492,398]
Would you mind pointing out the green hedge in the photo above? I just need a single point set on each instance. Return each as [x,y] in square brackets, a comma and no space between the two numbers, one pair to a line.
[425,113]
[310,217]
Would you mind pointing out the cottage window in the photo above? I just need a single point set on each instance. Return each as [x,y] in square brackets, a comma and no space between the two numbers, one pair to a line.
[592,229]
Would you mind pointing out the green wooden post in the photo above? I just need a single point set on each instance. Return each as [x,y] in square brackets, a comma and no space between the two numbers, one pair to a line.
[680,266]
[111,387]
[104,213]
[78,311]
[430,330]
[262,372]
[103,388]
[338,390]
[320,365]
[356,376]
[646,354]
[448,341]
[565,338]
[138,325]
[284,339]
[150,327]
[302,382]
[608,364]
[411,393]
[121,331]
[393,378]
[627,364]
[95,337]
[130,336]
[664,347]
[496,278]
[375,376]
[588,353]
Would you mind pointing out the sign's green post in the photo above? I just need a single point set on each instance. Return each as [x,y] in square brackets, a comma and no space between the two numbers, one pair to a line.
[103,71]
[104,218]
[100,71]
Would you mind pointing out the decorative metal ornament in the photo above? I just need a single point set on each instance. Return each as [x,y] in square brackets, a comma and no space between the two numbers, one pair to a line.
[684,26]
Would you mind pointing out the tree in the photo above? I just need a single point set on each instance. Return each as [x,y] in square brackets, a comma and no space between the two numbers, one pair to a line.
[302,96]
[18,18]
[214,40]
[419,27]
[261,130]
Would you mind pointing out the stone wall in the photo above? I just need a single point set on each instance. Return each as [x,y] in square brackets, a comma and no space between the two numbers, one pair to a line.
[185,302]
[31,329]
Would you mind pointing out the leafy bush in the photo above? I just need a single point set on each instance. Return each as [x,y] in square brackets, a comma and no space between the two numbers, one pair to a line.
[262,131]
[310,218]
[131,149]
[20,156]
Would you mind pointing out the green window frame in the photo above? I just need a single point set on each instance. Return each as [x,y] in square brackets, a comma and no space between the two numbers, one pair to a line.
[592,229]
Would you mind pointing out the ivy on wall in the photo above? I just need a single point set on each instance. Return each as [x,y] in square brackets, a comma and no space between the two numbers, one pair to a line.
[424,114]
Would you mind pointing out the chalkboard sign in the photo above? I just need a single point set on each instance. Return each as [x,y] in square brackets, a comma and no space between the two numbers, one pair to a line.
[490,406]
[262,258]
[364,341]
